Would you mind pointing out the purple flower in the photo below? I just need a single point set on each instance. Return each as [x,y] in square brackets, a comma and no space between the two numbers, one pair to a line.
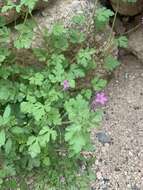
[66,85]
[99,99]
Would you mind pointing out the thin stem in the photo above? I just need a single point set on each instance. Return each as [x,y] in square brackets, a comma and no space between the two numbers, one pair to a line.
[112,29]
[132,29]
[92,16]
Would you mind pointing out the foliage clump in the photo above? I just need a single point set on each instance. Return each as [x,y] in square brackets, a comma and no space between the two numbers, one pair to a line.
[45,116]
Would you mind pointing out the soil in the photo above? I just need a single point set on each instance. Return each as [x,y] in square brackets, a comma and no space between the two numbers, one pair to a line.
[119,163]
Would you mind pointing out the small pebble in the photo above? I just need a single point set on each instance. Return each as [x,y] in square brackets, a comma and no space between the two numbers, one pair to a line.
[135,188]
[103,138]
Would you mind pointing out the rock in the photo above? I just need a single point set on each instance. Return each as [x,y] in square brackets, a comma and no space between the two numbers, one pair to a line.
[127,8]
[63,11]
[12,15]
[103,138]
[119,27]
[135,187]
[136,43]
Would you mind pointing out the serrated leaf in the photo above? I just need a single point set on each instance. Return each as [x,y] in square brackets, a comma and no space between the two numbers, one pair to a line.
[25,37]
[84,56]
[37,79]
[77,36]
[98,84]
[87,93]
[29,3]
[58,29]
[111,63]
[40,53]
[77,143]
[102,17]
[79,19]
[122,42]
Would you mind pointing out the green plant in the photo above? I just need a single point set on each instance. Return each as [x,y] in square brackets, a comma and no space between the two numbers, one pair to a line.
[45,116]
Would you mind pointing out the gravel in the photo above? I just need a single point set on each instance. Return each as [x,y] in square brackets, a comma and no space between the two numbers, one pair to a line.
[119,165]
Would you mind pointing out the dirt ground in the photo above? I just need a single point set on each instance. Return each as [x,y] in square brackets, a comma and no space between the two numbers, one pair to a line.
[119,163]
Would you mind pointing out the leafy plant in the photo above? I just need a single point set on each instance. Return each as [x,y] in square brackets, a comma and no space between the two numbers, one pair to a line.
[45,115]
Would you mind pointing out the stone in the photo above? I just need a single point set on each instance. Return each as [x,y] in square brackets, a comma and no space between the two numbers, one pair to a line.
[119,27]
[62,11]
[135,187]
[12,15]
[136,43]
[103,138]
[127,8]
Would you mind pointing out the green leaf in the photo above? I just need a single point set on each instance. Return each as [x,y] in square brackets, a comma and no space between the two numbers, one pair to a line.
[87,93]
[40,53]
[4,35]
[78,143]
[18,130]
[29,3]
[46,161]
[57,75]
[58,29]
[59,38]
[25,37]
[98,116]
[54,117]
[2,137]
[71,131]
[4,53]
[77,109]
[34,149]
[79,19]
[76,71]
[8,146]
[84,56]
[37,79]
[37,109]
[102,17]
[7,112]
[2,21]
[77,36]
[122,42]
[45,134]
[75,138]
[98,84]
[31,140]
[72,83]
[111,63]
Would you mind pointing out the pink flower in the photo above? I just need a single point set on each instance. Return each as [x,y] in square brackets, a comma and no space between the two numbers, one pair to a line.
[66,85]
[99,99]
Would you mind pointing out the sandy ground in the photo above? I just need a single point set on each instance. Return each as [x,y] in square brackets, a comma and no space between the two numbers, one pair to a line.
[119,163]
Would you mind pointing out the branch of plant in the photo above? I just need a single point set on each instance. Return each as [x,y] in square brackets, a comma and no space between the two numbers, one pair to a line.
[110,39]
